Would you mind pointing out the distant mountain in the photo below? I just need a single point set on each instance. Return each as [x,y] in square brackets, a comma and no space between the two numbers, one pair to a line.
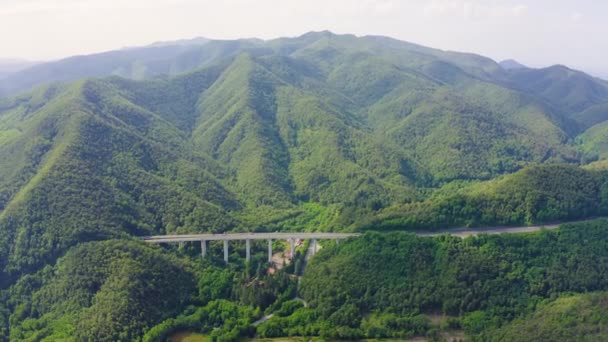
[573,92]
[183,42]
[511,64]
[133,63]
[8,66]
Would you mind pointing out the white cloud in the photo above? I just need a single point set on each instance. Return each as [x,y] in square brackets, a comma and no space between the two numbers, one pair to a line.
[576,17]
[37,6]
[474,9]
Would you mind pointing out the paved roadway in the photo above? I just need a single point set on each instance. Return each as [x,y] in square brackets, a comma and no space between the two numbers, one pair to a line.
[245,236]
[465,232]
[460,232]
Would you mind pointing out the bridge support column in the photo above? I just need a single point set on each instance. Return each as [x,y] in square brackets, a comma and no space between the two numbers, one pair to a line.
[313,244]
[293,247]
[248,250]
[203,248]
[181,245]
[337,241]
[269,250]
[226,251]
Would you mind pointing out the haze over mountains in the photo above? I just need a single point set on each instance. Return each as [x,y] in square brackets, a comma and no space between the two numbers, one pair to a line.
[9,66]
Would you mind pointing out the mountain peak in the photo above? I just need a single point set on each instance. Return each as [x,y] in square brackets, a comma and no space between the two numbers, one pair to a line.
[511,64]
[181,42]
[324,33]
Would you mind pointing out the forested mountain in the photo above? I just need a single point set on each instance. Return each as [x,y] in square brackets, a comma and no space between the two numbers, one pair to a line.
[135,63]
[578,95]
[317,132]
[580,317]
[381,285]
[321,131]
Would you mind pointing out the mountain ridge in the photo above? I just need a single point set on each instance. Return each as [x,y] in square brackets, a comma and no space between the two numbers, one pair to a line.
[320,132]
[295,129]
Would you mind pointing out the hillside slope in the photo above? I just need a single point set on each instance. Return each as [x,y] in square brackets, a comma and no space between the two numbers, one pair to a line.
[570,318]
[321,131]
[89,165]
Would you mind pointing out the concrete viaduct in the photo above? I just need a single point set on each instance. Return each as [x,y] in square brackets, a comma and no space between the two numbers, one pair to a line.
[291,237]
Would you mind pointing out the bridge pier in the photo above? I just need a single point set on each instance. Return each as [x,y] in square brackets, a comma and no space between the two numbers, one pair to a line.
[269,250]
[313,244]
[203,248]
[226,251]
[293,247]
[248,250]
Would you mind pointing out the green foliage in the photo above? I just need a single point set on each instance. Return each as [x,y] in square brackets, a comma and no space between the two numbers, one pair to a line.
[569,89]
[393,326]
[487,279]
[101,291]
[533,195]
[223,320]
[580,317]
[289,307]
[318,132]
[215,283]
[4,323]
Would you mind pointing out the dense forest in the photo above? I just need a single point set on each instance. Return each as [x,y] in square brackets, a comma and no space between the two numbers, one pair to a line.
[381,285]
[321,132]
[581,317]
[535,194]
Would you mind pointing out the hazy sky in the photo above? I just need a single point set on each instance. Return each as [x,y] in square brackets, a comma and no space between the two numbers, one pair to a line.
[535,32]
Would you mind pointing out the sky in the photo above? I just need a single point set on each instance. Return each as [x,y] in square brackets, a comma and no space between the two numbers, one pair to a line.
[534,32]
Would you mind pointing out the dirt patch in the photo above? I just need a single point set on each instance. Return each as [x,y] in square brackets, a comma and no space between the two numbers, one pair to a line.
[187,336]
[278,259]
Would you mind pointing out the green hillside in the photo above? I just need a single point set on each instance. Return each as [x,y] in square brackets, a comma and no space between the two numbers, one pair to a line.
[95,166]
[389,285]
[569,318]
[375,286]
[102,291]
[319,132]
[535,194]
[571,90]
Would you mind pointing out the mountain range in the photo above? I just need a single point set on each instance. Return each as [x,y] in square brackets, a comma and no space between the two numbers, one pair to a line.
[321,131]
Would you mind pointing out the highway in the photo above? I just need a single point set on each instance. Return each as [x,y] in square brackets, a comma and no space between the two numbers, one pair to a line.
[246,236]
[465,232]
[460,232]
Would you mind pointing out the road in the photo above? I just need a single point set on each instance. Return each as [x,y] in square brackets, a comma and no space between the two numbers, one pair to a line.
[245,236]
[465,232]
[460,232]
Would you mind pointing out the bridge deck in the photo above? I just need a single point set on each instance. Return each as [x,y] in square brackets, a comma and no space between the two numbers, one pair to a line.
[246,236]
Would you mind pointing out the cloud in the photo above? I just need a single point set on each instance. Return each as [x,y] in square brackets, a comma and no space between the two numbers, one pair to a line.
[38,6]
[474,9]
[576,17]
